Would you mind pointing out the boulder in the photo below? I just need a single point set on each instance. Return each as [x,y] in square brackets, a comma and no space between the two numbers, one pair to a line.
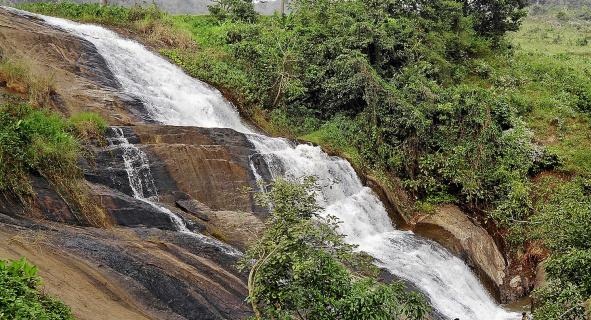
[452,228]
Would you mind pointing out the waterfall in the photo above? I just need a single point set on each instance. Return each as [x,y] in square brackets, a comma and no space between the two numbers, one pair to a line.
[173,98]
[143,187]
[140,177]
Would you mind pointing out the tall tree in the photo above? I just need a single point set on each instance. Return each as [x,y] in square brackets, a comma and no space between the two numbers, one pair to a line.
[495,17]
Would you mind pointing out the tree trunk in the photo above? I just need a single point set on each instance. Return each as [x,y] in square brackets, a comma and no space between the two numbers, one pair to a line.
[282,8]
[104,2]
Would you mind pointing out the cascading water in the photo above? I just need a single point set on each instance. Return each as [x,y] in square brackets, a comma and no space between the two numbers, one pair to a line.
[143,187]
[139,175]
[171,97]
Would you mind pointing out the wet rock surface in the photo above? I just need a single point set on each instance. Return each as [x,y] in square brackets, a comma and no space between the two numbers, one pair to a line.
[210,165]
[78,73]
[133,273]
[450,227]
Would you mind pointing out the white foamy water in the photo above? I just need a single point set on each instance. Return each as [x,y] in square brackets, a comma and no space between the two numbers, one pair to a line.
[174,98]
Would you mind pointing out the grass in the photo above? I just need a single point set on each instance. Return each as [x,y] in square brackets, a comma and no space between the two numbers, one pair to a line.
[152,24]
[555,69]
[19,78]
[88,125]
[41,142]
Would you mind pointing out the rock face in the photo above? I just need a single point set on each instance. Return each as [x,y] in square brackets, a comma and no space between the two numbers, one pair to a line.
[450,227]
[210,165]
[142,267]
[129,273]
[77,71]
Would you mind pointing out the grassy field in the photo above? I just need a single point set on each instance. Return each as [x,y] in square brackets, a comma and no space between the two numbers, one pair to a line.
[553,62]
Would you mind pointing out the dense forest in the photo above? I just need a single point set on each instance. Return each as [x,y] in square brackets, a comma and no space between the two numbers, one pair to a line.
[484,104]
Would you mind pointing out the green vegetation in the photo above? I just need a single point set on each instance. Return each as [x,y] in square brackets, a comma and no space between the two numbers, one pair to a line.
[34,140]
[20,78]
[448,96]
[94,12]
[302,268]
[88,125]
[41,142]
[20,297]
[154,26]
[563,223]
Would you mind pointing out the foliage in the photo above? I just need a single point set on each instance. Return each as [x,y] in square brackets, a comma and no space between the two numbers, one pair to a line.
[563,223]
[41,142]
[148,21]
[559,300]
[396,73]
[564,217]
[497,17]
[94,12]
[20,297]
[302,268]
[234,10]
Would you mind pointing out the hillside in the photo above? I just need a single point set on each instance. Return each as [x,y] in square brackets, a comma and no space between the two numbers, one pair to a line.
[472,132]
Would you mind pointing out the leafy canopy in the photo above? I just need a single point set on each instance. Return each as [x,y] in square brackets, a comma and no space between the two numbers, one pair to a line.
[564,224]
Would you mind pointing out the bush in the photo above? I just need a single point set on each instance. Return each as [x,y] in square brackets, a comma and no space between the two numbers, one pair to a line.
[40,142]
[563,221]
[559,300]
[301,267]
[573,266]
[234,10]
[20,297]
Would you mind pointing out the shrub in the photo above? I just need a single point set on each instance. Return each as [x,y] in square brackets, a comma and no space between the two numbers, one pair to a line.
[234,10]
[563,220]
[559,300]
[20,297]
[301,267]
[40,142]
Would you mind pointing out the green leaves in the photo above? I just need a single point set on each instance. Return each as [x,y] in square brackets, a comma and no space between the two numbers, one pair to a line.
[234,10]
[33,141]
[20,298]
[563,223]
[301,268]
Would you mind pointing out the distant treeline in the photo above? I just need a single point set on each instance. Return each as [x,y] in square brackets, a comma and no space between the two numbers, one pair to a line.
[562,3]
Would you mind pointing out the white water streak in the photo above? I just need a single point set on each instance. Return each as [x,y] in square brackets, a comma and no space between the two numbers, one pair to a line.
[143,187]
[174,98]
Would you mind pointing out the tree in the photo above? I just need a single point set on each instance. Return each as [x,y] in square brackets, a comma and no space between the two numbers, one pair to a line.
[234,10]
[494,17]
[301,268]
